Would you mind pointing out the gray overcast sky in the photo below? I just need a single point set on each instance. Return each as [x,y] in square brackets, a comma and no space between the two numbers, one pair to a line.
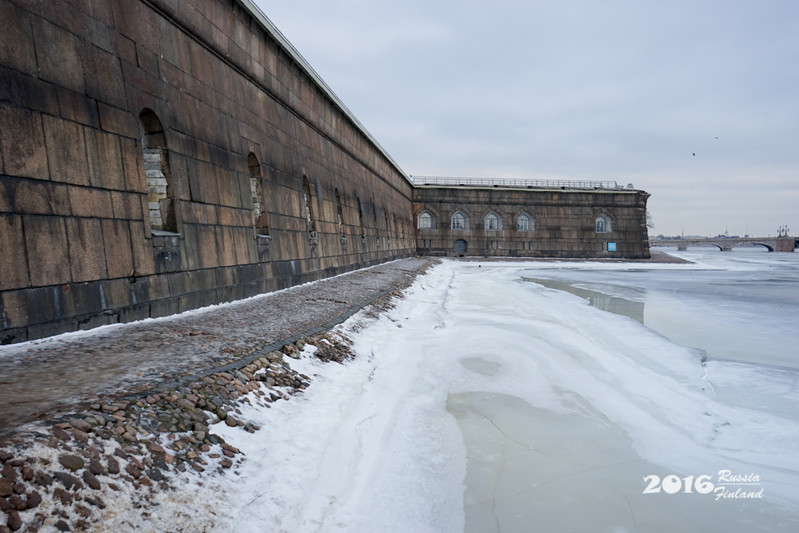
[624,90]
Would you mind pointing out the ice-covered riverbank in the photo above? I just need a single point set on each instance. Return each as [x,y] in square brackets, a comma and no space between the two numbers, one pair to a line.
[485,402]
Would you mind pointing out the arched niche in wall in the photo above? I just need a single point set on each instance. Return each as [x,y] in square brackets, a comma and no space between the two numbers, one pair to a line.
[159,178]
[308,203]
[340,217]
[259,213]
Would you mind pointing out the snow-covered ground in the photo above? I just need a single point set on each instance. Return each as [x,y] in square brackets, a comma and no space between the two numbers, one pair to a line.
[486,401]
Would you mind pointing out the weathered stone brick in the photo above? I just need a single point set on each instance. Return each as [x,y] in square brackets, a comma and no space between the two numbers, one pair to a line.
[170,43]
[179,178]
[116,293]
[143,262]
[89,202]
[134,312]
[21,90]
[124,47]
[101,10]
[105,160]
[191,239]
[66,151]
[179,283]
[245,245]
[81,299]
[165,307]
[38,197]
[55,327]
[103,76]
[66,14]
[118,253]
[58,54]
[146,60]
[125,206]
[99,33]
[46,244]
[8,188]
[226,254]
[43,304]
[87,257]
[196,213]
[13,312]
[16,46]
[22,143]
[132,165]
[13,262]
[115,120]
[137,22]
[78,108]
[207,247]
[155,288]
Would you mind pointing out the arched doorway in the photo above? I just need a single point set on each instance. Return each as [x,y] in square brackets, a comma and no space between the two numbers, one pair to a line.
[460,246]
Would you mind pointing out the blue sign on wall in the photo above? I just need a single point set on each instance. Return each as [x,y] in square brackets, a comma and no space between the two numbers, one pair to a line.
[611,247]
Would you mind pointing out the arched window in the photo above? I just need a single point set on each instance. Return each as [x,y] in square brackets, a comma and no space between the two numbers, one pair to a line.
[425,220]
[339,214]
[602,224]
[524,223]
[159,178]
[309,216]
[458,221]
[492,222]
[259,215]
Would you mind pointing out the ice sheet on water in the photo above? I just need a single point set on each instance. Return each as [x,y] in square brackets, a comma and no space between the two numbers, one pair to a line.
[530,398]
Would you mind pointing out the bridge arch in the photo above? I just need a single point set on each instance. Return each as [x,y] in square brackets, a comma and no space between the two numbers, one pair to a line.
[705,245]
[752,244]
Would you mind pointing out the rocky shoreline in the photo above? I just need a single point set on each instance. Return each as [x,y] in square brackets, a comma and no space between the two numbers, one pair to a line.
[56,473]
[70,471]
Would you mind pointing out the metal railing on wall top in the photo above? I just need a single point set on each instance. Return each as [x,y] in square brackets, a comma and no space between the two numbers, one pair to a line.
[517,183]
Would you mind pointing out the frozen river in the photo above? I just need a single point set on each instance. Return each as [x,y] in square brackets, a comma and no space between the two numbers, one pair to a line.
[539,396]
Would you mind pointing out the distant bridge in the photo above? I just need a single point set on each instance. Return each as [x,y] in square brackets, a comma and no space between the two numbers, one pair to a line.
[725,244]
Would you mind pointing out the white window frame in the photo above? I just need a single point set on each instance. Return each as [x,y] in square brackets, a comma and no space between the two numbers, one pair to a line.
[425,220]
[523,217]
[603,224]
[492,222]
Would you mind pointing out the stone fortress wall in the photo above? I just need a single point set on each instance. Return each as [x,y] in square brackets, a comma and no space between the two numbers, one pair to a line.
[162,155]
[539,222]
[136,138]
